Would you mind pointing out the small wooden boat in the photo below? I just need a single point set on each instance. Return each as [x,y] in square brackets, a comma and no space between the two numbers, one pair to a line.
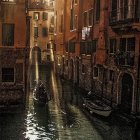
[97,107]
[40,94]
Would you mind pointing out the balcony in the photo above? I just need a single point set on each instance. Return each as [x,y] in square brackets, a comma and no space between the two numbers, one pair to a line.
[125,19]
[40,5]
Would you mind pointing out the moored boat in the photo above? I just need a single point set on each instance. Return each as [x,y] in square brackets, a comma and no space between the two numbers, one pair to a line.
[97,107]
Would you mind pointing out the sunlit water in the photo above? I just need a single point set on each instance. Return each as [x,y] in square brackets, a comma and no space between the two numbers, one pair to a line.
[61,119]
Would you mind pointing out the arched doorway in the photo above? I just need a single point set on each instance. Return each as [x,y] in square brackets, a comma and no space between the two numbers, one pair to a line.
[126,93]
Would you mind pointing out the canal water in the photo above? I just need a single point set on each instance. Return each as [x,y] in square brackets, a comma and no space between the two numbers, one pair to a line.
[62,118]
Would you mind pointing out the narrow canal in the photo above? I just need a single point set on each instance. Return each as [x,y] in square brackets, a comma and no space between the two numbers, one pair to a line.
[61,119]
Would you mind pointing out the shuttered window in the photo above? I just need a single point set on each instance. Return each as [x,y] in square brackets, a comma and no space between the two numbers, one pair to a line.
[112,46]
[7,34]
[45,16]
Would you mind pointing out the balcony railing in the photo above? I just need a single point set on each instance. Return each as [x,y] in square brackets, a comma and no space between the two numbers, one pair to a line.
[123,14]
[40,5]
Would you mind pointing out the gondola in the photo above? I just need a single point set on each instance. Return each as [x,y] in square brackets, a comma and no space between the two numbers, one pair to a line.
[40,94]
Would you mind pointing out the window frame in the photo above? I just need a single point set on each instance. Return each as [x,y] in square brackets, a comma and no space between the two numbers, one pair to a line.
[34,16]
[126,60]
[85,19]
[45,16]
[75,2]
[97,10]
[36,34]
[113,50]
[13,78]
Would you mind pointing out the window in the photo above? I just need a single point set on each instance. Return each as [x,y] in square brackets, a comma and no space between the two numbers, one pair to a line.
[90,17]
[127,44]
[96,72]
[88,47]
[71,20]
[71,47]
[75,1]
[7,74]
[83,68]
[75,22]
[35,31]
[7,34]
[82,47]
[112,46]
[122,9]
[72,16]
[127,51]
[94,46]
[85,19]
[36,15]
[114,8]
[44,16]
[67,47]
[44,31]
[97,8]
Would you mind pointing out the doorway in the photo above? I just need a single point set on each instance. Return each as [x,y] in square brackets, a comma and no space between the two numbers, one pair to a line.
[126,93]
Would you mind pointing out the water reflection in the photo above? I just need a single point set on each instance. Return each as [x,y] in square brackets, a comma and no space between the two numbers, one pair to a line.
[11,126]
[38,124]
[61,119]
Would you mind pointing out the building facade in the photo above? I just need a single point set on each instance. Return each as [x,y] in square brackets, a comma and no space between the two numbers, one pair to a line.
[13,52]
[100,48]
[59,36]
[41,14]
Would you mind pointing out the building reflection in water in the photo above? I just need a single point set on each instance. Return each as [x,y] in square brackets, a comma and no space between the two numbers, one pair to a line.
[61,118]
